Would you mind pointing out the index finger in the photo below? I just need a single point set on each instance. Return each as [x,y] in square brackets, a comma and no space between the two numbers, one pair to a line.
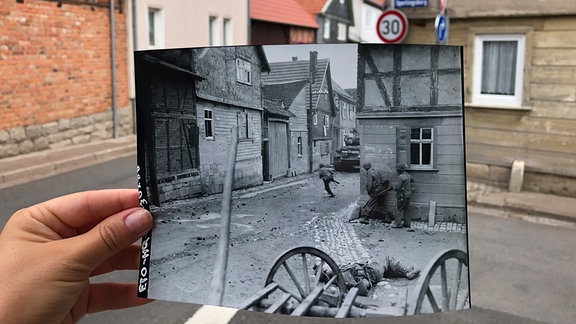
[83,210]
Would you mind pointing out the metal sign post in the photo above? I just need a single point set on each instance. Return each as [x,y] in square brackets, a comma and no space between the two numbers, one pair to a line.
[442,22]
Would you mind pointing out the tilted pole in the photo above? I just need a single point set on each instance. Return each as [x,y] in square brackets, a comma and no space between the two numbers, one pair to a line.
[221,265]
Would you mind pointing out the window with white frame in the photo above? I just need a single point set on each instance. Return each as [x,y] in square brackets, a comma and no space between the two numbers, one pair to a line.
[213,32]
[326,28]
[315,119]
[299,145]
[498,70]
[155,27]
[341,32]
[421,148]
[208,124]
[243,71]
[227,31]
[325,124]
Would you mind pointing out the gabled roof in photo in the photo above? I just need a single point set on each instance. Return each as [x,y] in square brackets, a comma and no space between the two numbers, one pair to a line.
[283,92]
[313,6]
[340,91]
[285,72]
[288,12]
[275,108]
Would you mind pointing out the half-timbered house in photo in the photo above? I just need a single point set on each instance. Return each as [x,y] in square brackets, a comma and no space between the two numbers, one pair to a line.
[410,111]
[189,100]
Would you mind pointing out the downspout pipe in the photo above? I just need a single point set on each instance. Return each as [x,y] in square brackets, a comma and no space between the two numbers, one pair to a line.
[135,44]
[113,67]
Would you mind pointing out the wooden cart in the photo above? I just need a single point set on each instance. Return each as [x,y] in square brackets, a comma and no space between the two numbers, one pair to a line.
[305,281]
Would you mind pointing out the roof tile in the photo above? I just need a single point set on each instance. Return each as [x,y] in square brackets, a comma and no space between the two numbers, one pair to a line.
[287,12]
[313,6]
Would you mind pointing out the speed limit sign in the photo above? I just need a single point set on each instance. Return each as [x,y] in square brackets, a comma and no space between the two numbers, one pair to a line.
[392,26]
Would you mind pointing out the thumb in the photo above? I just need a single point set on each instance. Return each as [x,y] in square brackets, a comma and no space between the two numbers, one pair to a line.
[112,235]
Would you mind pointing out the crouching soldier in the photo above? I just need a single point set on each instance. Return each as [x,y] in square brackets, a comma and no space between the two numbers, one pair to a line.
[376,188]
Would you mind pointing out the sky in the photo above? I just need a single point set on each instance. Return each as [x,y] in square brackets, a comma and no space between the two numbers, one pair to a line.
[343,62]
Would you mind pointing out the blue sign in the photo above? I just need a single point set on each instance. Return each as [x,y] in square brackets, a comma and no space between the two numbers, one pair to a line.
[410,3]
[441,28]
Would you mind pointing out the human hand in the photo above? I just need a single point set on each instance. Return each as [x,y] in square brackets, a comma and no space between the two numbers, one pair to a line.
[49,251]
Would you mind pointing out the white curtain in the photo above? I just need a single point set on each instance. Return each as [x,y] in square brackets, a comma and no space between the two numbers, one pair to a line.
[499,67]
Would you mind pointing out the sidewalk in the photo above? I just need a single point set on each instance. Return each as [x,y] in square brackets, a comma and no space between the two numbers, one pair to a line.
[29,167]
[38,165]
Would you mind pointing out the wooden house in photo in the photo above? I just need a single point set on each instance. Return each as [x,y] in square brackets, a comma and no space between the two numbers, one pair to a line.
[344,125]
[188,102]
[410,111]
[305,88]
[521,128]
[275,140]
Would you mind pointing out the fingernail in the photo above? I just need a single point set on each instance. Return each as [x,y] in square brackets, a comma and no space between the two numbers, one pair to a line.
[139,221]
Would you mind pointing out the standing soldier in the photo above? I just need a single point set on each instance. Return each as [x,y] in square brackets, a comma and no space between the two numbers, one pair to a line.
[403,190]
[327,176]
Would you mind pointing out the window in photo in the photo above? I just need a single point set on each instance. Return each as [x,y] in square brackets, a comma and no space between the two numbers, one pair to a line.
[421,148]
[243,71]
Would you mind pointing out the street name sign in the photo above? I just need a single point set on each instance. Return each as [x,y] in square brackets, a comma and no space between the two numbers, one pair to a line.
[410,3]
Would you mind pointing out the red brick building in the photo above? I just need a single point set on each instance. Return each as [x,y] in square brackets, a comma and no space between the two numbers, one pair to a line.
[56,80]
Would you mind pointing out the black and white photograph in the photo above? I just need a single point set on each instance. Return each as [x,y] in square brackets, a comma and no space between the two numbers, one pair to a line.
[309,180]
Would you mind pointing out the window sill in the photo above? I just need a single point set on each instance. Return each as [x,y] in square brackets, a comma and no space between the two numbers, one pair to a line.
[491,106]
[422,170]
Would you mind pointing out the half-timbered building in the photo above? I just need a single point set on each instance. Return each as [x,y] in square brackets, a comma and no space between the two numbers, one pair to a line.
[188,102]
[410,111]
[520,88]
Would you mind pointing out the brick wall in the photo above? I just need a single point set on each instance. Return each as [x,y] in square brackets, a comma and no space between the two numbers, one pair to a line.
[56,73]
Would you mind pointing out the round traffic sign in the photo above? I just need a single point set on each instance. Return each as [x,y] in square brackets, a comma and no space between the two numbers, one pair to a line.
[392,26]
[441,28]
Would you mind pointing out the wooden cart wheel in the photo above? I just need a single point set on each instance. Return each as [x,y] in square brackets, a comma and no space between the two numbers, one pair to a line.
[304,274]
[446,290]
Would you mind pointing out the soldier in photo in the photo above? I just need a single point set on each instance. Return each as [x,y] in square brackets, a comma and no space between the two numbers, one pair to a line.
[376,187]
[327,176]
[403,190]
[365,276]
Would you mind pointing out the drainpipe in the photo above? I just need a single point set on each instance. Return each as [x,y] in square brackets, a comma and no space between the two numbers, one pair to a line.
[135,44]
[249,38]
[113,49]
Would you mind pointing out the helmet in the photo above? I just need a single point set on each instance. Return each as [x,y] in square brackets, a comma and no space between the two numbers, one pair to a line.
[367,165]
[321,165]
[401,167]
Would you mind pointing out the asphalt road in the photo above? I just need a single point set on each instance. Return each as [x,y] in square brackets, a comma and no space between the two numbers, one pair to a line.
[517,268]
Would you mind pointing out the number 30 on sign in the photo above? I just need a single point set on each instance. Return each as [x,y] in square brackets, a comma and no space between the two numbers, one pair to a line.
[392,26]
